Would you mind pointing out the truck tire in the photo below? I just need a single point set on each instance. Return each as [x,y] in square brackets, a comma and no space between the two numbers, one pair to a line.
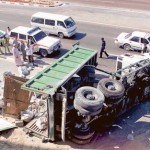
[43,52]
[112,89]
[85,111]
[89,98]
[81,141]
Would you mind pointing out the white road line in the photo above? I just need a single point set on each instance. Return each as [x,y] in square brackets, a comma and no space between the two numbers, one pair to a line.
[2,21]
[105,24]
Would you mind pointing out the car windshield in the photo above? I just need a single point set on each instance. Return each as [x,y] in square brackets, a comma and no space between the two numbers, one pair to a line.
[40,35]
[69,22]
[128,35]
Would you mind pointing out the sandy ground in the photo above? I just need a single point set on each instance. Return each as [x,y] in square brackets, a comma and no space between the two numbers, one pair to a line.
[130,131]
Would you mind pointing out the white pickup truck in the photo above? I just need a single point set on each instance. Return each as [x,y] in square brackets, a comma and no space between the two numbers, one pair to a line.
[41,42]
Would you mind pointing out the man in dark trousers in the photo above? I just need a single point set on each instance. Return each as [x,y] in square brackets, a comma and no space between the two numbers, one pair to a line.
[103,48]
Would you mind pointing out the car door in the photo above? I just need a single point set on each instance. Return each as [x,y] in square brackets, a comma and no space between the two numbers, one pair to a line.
[135,43]
[50,26]
[61,27]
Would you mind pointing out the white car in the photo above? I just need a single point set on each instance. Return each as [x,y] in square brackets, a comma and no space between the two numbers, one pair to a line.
[134,40]
[41,42]
[2,34]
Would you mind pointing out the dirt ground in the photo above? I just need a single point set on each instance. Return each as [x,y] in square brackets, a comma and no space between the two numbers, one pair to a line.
[130,131]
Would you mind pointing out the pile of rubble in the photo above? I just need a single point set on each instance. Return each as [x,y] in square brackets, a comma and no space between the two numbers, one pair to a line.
[22,105]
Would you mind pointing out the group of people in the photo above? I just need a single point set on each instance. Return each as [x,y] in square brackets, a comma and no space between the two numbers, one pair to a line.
[18,48]
[26,50]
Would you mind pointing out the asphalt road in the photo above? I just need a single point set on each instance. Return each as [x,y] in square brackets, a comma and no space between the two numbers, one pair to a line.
[93,22]
[131,4]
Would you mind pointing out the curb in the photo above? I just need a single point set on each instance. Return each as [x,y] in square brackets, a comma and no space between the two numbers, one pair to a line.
[34,5]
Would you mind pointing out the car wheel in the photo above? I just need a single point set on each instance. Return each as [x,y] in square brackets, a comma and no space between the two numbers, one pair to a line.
[127,47]
[61,35]
[112,89]
[43,52]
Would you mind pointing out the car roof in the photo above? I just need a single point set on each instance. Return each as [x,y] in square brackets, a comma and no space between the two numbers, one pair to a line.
[24,30]
[50,16]
[141,34]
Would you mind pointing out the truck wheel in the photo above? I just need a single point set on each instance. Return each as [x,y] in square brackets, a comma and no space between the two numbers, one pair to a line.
[89,98]
[85,111]
[81,141]
[61,35]
[127,47]
[43,52]
[112,89]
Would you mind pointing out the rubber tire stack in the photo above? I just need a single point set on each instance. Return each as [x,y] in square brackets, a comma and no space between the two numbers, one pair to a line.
[88,101]
[113,94]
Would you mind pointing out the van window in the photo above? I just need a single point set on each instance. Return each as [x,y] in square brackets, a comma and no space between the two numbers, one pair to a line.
[50,22]
[14,34]
[69,22]
[60,23]
[38,20]
[22,36]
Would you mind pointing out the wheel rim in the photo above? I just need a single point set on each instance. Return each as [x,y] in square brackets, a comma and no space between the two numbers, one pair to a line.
[44,53]
[61,35]
[127,47]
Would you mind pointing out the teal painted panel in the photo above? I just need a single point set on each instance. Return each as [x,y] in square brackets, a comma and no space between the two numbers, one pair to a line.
[52,77]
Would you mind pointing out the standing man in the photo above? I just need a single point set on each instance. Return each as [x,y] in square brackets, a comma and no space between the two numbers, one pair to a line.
[17,56]
[103,48]
[6,44]
[144,48]
[22,48]
[29,52]
[15,42]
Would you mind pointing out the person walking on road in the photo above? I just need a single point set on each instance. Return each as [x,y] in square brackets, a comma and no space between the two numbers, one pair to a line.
[103,48]
[22,49]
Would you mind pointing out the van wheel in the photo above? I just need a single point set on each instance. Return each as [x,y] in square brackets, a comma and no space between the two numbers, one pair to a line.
[61,35]
[43,52]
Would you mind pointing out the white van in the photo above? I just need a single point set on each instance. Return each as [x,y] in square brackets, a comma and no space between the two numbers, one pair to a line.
[54,24]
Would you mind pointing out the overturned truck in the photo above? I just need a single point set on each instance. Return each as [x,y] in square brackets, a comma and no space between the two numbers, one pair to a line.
[77,103]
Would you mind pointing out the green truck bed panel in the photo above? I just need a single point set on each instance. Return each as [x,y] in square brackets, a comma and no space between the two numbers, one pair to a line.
[55,75]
